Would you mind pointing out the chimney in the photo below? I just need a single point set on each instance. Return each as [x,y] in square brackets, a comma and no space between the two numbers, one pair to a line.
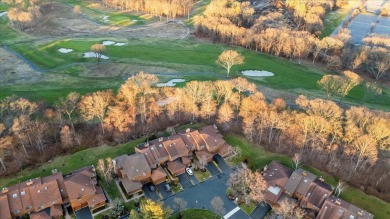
[4,190]
[54,171]
[304,173]
[215,126]
[322,179]
[146,144]
[29,182]
[160,139]
[338,202]
[360,213]
[188,130]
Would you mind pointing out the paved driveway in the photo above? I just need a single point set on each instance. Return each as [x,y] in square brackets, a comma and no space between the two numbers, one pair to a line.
[83,213]
[149,194]
[260,211]
[162,190]
[200,195]
[184,181]
[221,163]
[212,169]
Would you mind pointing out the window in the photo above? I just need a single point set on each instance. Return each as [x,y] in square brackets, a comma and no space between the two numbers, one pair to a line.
[23,193]
[16,211]
[15,195]
[340,211]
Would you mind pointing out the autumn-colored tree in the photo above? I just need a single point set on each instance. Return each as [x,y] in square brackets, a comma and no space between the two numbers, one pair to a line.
[154,210]
[98,49]
[66,137]
[331,84]
[68,106]
[371,89]
[95,105]
[228,59]
[288,209]
[350,80]
[225,115]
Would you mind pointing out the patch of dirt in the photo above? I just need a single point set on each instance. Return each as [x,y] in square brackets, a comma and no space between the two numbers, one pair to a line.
[15,71]
[59,21]
[102,70]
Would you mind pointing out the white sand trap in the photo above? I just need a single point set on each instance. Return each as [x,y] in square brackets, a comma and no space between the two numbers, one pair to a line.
[63,50]
[93,55]
[119,44]
[170,83]
[108,42]
[3,13]
[256,73]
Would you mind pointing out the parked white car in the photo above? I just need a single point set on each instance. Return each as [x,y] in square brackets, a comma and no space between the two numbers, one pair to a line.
[189,171]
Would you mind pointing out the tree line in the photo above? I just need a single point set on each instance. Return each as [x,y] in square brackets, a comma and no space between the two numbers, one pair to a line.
[24,13]
[350,143]
[158,8]
[293,33]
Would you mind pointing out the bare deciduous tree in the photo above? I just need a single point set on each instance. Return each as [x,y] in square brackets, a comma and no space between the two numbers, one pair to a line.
[98,49]
[180,205]
[218,205]
[229,58]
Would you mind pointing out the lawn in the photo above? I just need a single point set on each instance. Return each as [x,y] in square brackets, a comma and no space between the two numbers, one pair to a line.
[96,12]
[257,157]
[332,20]
[248,208]
[67,163]
[202,176]
[192,60]
[195,214]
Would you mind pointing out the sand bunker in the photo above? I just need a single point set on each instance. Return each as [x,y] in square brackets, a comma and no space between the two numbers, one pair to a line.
[256,73]
[3,13]
[63,50]
[105,18]
[109,43]
[170,83]
[94,55]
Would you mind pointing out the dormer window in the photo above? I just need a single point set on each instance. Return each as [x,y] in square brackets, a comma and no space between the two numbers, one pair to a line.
[23,193]
[15,195]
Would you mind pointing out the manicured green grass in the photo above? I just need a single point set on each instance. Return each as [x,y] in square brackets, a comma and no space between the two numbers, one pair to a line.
[248,208]
[202,176]
[96,12]
[195,214]
[196,61]
[67,163]
[200,7]
[257,158]
[332,20]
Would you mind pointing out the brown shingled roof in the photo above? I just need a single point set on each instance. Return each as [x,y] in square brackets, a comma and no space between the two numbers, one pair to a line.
[212,137]
[60,181]
[299,182]
[56,210]
[131,186]
[4,207]
[335,208]
[277,174]
[175,146]
[97,198]
[134,165]
[158,174]
[317,193]
[175,167]
[45,195]
[80,183]
[40,215]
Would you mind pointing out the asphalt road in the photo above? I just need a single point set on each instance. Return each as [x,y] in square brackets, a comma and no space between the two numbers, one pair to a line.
[200,196]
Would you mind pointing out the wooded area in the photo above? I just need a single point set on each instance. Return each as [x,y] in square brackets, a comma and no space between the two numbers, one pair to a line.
[291,30]
[352,143]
